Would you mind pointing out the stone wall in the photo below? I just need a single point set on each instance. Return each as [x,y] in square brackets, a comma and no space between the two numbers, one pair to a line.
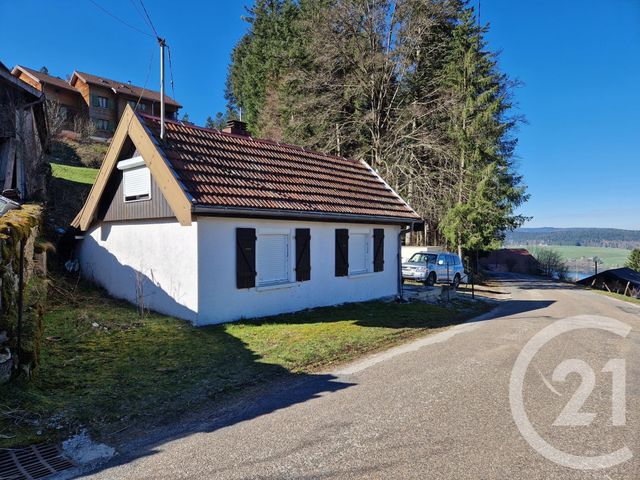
[18,227]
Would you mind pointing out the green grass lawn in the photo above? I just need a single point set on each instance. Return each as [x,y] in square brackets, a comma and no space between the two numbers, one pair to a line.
[74,174]
[104,368]
[611,257]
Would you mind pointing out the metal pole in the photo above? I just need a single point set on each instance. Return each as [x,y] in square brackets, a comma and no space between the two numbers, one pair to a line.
[20,299]
[162,45]
[473,291]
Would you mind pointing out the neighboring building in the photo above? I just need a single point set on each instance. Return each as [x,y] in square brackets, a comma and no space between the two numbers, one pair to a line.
[107,99]
[510,260]
[23,137]
[55,89]
[618,280]
[102,99]
[216,226]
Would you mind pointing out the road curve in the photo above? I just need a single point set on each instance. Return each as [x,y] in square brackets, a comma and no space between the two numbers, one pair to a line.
[437,408]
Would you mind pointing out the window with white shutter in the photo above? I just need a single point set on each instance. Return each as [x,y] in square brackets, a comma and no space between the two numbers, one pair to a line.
[359,259]
[136,179]
[272,262]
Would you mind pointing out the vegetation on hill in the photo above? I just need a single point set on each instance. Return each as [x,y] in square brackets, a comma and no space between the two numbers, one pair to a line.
[585,237]
[73,171]
[409,86]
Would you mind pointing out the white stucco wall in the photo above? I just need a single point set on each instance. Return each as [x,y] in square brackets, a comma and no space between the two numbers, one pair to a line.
[220,300]
[163,251]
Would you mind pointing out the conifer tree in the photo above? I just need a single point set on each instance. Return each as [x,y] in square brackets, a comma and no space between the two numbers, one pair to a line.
[633,261]
[480,131]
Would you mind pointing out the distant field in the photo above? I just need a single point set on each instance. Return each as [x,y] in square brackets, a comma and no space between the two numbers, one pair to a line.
[611,257]
[74,174]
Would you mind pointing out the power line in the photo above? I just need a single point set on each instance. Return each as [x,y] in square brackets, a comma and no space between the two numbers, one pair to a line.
[149,19]
[120,20]
[144,86]
[173,92]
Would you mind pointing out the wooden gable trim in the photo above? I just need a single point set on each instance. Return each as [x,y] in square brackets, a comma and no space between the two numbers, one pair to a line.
[130,126]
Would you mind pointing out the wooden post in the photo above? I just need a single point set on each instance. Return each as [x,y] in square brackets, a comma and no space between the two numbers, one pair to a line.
[626,288]
[20,300]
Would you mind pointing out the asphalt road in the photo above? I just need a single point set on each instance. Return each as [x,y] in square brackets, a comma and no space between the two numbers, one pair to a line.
[436,408]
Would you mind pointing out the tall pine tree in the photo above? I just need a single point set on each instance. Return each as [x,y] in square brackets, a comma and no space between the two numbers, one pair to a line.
[481,134]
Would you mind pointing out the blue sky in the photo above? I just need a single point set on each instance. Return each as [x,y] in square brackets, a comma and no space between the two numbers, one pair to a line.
[578,60]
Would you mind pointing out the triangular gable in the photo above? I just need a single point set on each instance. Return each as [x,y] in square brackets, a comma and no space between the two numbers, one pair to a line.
[131,127]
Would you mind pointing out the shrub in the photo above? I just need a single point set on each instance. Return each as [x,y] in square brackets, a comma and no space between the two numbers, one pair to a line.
[551,263]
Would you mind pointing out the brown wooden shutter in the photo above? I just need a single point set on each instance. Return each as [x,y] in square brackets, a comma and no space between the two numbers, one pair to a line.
[378,249]
[342,252]
[303,254]
[245,257]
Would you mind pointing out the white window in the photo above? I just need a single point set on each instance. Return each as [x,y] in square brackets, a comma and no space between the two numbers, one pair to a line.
[102,102]
[136,179]
[272,258]
[359,258]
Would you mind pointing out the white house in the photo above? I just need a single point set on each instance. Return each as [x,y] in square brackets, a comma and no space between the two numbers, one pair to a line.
[214,226]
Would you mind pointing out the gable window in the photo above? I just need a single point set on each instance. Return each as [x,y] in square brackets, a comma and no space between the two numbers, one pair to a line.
[359,257]
[136,179]
[272,254]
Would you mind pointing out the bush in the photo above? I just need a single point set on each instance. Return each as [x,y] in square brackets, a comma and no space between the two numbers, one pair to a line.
[551,263]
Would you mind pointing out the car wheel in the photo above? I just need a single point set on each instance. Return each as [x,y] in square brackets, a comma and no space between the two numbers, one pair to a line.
[456,281]
[431,280]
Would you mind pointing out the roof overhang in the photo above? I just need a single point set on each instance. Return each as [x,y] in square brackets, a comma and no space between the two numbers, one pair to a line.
[300,215]
[21,84]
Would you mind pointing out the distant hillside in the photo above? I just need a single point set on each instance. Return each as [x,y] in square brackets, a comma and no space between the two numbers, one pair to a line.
[587,237]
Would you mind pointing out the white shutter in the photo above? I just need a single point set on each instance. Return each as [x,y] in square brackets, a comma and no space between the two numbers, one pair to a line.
[272,252]
[137,183]
[358,252]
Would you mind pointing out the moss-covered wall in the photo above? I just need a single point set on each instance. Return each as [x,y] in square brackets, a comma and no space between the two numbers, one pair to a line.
[18,226]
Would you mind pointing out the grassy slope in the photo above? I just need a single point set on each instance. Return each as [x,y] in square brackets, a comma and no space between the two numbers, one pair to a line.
[82,175]
[104,368]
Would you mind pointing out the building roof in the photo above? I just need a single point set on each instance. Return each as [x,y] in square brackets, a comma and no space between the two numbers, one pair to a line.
[43,78]
[625,274]
[6,74]
[223,170]
[236,175]
[122,88]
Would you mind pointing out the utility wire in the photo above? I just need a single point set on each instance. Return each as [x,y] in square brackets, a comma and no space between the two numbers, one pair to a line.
[149,19]
[120,20]
[137,9]
[144,87]
[173,92]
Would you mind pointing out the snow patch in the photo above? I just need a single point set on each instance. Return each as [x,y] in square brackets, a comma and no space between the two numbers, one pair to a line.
[82,450]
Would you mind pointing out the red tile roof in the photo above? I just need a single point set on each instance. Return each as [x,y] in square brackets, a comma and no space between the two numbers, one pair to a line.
[43,78]
[125,88]
[223,170]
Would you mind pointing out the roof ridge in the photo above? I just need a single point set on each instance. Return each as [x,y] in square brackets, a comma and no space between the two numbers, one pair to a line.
[255,139]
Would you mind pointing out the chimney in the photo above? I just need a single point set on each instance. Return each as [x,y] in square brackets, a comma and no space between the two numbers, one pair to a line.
[236,127]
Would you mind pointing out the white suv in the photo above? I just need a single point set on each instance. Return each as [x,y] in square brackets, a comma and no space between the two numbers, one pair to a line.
[430,268]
